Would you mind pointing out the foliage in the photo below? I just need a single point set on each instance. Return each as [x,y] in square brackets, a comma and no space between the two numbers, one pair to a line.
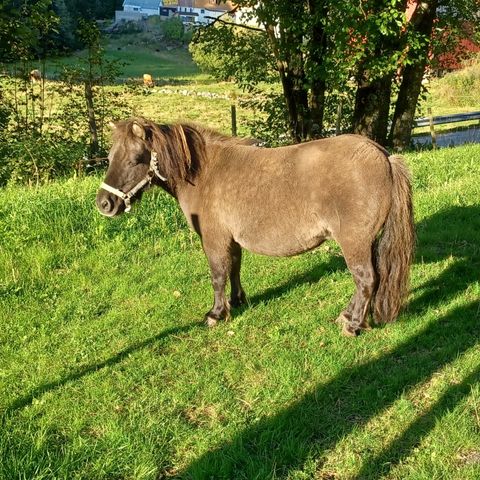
[231,53]
[37,145]
[51,143]
[173,29]
[107,371]
[269,117]
[35,160]
[319,46]
[25,28]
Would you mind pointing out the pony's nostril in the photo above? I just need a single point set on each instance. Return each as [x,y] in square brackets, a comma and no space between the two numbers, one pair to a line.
[105,205]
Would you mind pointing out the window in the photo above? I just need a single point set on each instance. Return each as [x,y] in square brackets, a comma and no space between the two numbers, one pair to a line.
[202,11]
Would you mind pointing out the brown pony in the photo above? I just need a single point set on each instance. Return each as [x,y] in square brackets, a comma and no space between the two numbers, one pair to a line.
[276,201]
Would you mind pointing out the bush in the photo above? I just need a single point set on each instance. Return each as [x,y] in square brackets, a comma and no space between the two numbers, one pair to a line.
[39,146]
[31,160]
[173,29]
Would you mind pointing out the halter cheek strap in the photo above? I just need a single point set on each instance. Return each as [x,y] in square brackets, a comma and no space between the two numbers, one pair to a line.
[126,197]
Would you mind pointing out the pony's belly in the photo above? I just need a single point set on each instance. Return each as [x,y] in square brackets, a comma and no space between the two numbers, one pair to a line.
[281,245]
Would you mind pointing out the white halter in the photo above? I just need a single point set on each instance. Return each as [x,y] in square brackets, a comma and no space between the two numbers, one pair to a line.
[126,197]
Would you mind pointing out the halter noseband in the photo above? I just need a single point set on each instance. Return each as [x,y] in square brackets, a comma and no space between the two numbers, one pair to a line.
[126,197]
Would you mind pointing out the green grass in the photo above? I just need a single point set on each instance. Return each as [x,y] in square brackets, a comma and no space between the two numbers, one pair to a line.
[135,60]
[106,371]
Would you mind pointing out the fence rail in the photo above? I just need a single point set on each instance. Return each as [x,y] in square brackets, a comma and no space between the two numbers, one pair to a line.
[443,119]
[431,121]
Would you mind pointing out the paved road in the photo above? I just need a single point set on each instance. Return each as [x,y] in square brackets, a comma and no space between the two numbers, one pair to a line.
[450,139]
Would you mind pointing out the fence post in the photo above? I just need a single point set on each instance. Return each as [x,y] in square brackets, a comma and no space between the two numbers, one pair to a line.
[432,129]
[234,120]
[233,109]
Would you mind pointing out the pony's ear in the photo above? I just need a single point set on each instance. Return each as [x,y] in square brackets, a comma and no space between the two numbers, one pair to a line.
[138,130]
[112,125]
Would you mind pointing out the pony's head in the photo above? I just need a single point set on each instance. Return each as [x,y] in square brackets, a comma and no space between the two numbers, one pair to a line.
[144,153]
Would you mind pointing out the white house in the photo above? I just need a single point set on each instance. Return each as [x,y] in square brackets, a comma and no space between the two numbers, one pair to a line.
[142,7]
[201,11]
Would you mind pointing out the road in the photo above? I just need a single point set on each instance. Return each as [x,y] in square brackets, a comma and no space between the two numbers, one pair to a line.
[449,139]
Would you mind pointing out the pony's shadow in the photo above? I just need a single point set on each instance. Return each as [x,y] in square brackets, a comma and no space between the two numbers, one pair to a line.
[312,276]
[275,446]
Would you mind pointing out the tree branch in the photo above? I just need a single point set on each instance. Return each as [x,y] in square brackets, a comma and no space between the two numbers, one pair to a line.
[231,24]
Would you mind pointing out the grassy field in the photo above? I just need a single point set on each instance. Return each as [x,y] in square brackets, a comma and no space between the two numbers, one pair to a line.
[456,92]
[137,59]
[106,371]
[174,71]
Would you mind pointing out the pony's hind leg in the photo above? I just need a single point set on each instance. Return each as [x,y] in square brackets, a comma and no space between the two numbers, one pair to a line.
[237,295]
[354,317]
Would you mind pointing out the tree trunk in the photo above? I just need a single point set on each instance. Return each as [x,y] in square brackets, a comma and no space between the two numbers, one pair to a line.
[402,123]
[292,78]
[372,99]
[92,124]
[372,105]
[318,11]
[317,108]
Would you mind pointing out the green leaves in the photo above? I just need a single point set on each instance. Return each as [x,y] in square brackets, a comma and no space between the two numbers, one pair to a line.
[24,28]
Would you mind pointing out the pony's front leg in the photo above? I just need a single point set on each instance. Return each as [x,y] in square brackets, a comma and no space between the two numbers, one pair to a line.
[220,261]
[237,295]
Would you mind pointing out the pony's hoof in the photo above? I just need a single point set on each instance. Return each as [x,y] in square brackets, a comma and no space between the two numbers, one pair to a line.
[365,326]
[349,331]
[211,322]
[236,302]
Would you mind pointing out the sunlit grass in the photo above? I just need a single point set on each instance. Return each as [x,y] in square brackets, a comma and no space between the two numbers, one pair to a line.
[106,370]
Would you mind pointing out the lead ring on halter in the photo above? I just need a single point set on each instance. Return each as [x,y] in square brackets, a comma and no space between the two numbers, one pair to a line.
[126,197]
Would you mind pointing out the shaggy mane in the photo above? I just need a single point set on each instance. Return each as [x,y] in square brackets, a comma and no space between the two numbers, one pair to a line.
[181,147]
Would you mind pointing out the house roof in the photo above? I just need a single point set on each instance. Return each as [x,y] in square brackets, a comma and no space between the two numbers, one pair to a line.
[149,4]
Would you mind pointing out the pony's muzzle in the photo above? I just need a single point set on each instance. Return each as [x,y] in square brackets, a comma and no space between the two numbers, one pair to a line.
[108,204]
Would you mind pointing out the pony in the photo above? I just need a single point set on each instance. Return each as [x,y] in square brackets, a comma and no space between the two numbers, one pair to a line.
[276,201]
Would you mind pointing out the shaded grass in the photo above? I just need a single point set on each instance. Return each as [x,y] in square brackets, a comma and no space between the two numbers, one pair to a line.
[107,372]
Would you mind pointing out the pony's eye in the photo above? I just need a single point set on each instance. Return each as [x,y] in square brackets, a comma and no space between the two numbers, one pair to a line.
[133,161]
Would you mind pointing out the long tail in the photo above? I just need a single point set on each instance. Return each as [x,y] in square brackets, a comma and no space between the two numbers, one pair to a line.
[395,248]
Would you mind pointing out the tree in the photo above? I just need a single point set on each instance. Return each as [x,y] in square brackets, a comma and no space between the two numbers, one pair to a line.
[380,52]
[92,72]
[24,28]
[415,62]
[323,48]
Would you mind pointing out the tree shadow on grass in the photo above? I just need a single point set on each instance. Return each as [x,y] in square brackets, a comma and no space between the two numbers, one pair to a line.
[275,446]
[411,437]
[81,372]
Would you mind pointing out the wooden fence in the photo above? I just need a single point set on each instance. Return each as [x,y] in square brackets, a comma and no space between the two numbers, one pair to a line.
[431,121]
